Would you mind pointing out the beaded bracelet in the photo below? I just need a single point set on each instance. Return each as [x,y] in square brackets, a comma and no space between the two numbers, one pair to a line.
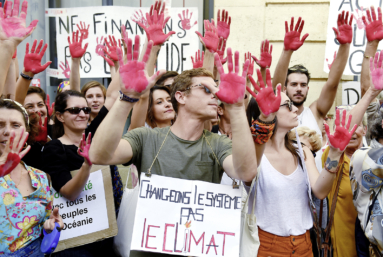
[261,132]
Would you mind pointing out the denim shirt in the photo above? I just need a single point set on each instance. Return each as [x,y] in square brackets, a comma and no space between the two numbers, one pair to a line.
[22,218]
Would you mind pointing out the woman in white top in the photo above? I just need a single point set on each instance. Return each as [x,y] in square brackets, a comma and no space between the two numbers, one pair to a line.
[282,201]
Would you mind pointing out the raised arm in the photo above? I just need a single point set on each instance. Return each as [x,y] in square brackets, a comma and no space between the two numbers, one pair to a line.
[210,42]
[10,82]
[250,72]
[292,42]
[76,51]
[32,66]
[108,147]
[326,98]
[266,57]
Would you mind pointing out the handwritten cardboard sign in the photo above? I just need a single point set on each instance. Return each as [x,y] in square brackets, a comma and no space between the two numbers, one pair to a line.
[358,44]
[107,20]
[186,217]
[91,216]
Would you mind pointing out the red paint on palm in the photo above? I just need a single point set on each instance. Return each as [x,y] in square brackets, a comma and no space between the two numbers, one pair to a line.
[138,17]
[210,41]
[75,48]
[185,20]
[32,60]
[232,85]
[341,136]
[292,38]
[49,107]
[154,31]
[12,161]
[83,30]
[374,27]
[198,63]
[330,64]
[376,70]
[344,31]
[111,49]
[43,131]
[83,149]
[223,24]
[66,69]
[221,50]
[267,101]
[250,71]
[101,52]
[11,23]
[266,57]
[133,74]
[358,18]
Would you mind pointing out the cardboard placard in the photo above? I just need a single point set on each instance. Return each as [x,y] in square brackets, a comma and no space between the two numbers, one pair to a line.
[89,227]
[187,217]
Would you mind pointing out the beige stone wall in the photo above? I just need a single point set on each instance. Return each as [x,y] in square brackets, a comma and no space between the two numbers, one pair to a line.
[256,20]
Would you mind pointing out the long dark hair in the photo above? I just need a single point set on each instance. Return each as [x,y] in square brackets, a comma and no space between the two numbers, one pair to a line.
[253,112]
[150,114]
[60,106]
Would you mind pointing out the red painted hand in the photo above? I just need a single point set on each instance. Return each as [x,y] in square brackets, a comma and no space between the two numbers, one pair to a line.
[185,21]
[83,30]
[138,17]
[341,136]
[344,31]
[134,80]
[154,31]
[49,107]
[266,57]
[223,25]
[221,50]
[160,11]
[32,60]
[376,71]
[232,86]
[13,151]
[210,41]
[267,101]
[198,63]
[43,131]
[292,38]
[250,71]
[13,26]
[112,53]
[83,149]
[330,64]
[75,49]
[65,68]
[100,51]
[374,27]
[358,18]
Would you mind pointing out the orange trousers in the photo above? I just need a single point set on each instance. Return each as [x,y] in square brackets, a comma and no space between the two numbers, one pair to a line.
[283,246]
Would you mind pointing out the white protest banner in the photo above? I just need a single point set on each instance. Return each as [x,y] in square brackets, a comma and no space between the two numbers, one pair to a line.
[358,44]
[186,217]
[87,214]
[351,92]
[107,20]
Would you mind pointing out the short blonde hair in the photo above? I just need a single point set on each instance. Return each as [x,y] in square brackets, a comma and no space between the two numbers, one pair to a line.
[310,134]
[92,84]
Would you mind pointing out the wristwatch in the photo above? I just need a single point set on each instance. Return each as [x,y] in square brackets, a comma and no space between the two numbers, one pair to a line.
[126,98]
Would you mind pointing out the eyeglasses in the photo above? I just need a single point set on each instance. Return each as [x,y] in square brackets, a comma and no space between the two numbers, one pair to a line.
[199,85]
[77,110]
[289,104]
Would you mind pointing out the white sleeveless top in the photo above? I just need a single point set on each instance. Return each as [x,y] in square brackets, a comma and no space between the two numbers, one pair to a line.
[306,118]
[282,203]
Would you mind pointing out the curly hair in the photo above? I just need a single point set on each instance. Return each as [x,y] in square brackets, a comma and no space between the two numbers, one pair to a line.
[310,134]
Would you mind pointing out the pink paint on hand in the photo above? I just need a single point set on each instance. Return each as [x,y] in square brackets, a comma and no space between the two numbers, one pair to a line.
[358,18]
[344,31]
[292,38]
[43,131]
[12,161]
[32,60]
[266,55]
[138,17]
[83,30]
[267,101]
[185,20]
[232,85]
[210,41]
[112,46]
[75,48]
[223,24]
[376,70]
[374,27]
[49,107]
[65,68]
[250,71]
[13,25]
[198,63]
[341,136]
[100,50]
[330,64]
[221,50]
[83,149]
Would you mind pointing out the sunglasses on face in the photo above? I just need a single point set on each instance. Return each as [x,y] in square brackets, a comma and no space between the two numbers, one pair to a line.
[298,68]
[77,110]
[289,104]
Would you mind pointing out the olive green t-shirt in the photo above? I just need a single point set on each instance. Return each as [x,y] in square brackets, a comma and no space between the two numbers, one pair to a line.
[178,158]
